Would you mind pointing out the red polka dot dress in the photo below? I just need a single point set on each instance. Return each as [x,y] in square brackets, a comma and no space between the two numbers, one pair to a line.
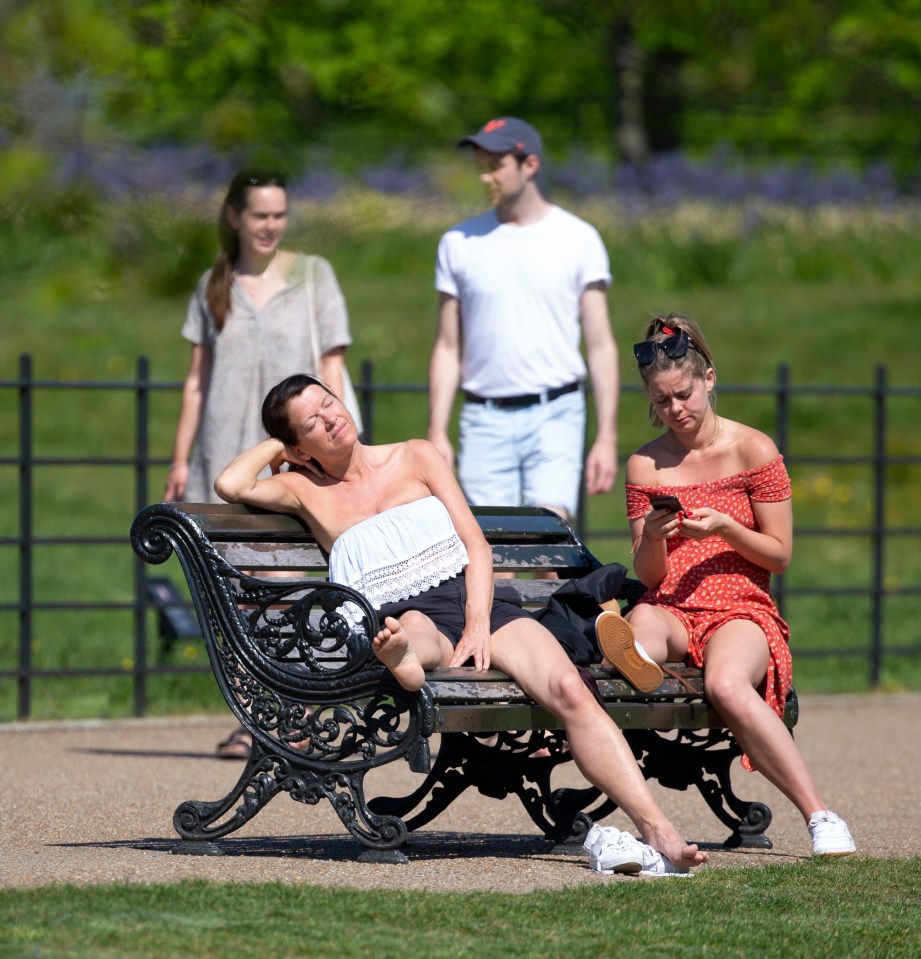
[709,584]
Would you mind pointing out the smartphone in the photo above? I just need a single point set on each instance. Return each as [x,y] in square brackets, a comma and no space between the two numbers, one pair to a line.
[671,503]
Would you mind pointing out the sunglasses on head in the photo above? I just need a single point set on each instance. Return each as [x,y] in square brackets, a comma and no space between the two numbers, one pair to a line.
[260,178]
[674,347]
[268,179]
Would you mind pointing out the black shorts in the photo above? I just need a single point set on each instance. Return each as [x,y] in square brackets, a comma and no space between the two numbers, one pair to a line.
[445,605]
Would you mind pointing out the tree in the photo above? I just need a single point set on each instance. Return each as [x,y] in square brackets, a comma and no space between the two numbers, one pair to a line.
[819,78]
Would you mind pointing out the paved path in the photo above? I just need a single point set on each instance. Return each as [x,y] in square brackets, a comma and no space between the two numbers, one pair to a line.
[93,802]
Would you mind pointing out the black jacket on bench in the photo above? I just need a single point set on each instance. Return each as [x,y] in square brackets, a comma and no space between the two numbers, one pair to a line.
[571,611]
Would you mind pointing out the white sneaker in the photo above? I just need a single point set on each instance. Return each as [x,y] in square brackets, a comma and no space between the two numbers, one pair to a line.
[620,854]
[657,866]
[597,833]
[830,835]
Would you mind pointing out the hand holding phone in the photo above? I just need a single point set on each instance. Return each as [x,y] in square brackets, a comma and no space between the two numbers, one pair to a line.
[671,503]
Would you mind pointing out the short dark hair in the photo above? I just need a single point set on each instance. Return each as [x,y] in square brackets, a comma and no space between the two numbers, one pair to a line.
[275,418]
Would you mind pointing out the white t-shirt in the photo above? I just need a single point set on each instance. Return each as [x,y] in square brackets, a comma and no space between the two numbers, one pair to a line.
[519,289]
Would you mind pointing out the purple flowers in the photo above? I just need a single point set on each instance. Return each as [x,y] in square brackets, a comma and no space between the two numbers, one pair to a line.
[668,179]
[726,177]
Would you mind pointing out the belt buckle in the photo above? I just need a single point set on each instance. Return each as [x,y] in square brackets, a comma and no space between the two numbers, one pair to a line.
[516,402]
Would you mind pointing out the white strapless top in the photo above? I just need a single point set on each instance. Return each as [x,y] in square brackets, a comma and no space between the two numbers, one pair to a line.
[398,553]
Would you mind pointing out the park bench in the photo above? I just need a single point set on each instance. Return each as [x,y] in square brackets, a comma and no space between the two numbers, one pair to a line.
[324,713]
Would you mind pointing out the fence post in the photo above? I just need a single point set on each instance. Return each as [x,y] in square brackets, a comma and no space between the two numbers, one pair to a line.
[782,429]
[141,451]
[365,388]
[24,679]
[879,526]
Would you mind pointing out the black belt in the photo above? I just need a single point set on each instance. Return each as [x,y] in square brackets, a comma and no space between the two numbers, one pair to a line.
[524,399]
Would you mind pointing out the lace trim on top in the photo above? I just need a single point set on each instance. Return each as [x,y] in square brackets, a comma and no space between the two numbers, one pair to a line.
[398,553]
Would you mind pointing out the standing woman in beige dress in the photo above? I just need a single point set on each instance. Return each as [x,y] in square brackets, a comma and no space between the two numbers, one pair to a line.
[258,315]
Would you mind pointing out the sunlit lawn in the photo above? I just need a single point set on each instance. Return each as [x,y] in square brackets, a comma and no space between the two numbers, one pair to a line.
[91,322]
[859,908]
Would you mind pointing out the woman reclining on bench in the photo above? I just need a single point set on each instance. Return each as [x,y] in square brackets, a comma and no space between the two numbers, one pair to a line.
[399,530]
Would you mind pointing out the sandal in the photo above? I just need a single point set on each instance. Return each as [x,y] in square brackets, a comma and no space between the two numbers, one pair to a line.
[236,746]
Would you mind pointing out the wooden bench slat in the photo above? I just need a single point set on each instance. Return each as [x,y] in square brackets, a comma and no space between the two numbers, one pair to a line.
[300,555]
[272,556]
[464,683]
[496,717]
[222,522]
[528,539]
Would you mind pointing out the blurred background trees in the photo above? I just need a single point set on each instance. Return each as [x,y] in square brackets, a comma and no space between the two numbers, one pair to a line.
[357,80]
[121,119]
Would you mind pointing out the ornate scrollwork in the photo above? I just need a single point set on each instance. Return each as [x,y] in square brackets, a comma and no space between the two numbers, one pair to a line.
[322,628]
[703,759]
[266,775]
[293,658]
[379,722]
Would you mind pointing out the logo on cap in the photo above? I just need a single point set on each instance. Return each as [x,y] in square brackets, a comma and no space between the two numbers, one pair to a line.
[493,125]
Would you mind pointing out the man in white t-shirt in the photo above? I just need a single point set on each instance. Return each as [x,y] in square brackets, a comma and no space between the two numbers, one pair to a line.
[518,287]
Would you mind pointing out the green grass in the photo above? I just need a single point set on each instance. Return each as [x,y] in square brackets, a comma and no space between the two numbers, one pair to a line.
[94,287]
[861,907]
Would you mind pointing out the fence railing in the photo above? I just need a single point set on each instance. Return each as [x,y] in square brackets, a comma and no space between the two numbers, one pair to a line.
[27,542]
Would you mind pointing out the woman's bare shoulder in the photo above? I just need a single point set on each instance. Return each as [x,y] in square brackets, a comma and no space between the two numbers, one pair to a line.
[754,447]
[408,457]
[404,450]
[643,465]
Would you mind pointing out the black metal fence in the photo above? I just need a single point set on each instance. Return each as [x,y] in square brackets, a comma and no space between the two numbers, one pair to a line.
[20,396]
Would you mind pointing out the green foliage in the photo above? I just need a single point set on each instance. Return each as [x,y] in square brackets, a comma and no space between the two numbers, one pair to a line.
[824,80]
[161,247]
[858,907]
[831,81]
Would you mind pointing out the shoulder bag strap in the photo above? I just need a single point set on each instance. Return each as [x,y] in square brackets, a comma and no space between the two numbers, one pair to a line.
[312,314]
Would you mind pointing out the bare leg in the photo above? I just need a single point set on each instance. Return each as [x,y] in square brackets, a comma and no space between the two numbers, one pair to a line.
[735,663]
[408,646]
[528,652]
[662,635]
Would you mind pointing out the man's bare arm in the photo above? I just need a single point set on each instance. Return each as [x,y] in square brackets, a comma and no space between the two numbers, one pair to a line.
[601,351]
[444,374]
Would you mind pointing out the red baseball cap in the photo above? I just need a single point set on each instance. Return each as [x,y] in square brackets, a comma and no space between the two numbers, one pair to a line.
[506,135]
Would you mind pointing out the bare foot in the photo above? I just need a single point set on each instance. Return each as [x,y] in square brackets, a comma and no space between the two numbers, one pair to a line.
[391,646]
[670,844]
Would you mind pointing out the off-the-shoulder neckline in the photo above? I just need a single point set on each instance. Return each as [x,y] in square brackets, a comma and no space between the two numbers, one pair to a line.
[721,479]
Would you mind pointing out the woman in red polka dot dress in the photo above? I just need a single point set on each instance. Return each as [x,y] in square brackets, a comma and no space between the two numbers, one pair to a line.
[707,563]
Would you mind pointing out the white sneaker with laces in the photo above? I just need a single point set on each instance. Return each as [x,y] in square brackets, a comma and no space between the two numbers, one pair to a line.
[597,833]
[830,835]
[620,854]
